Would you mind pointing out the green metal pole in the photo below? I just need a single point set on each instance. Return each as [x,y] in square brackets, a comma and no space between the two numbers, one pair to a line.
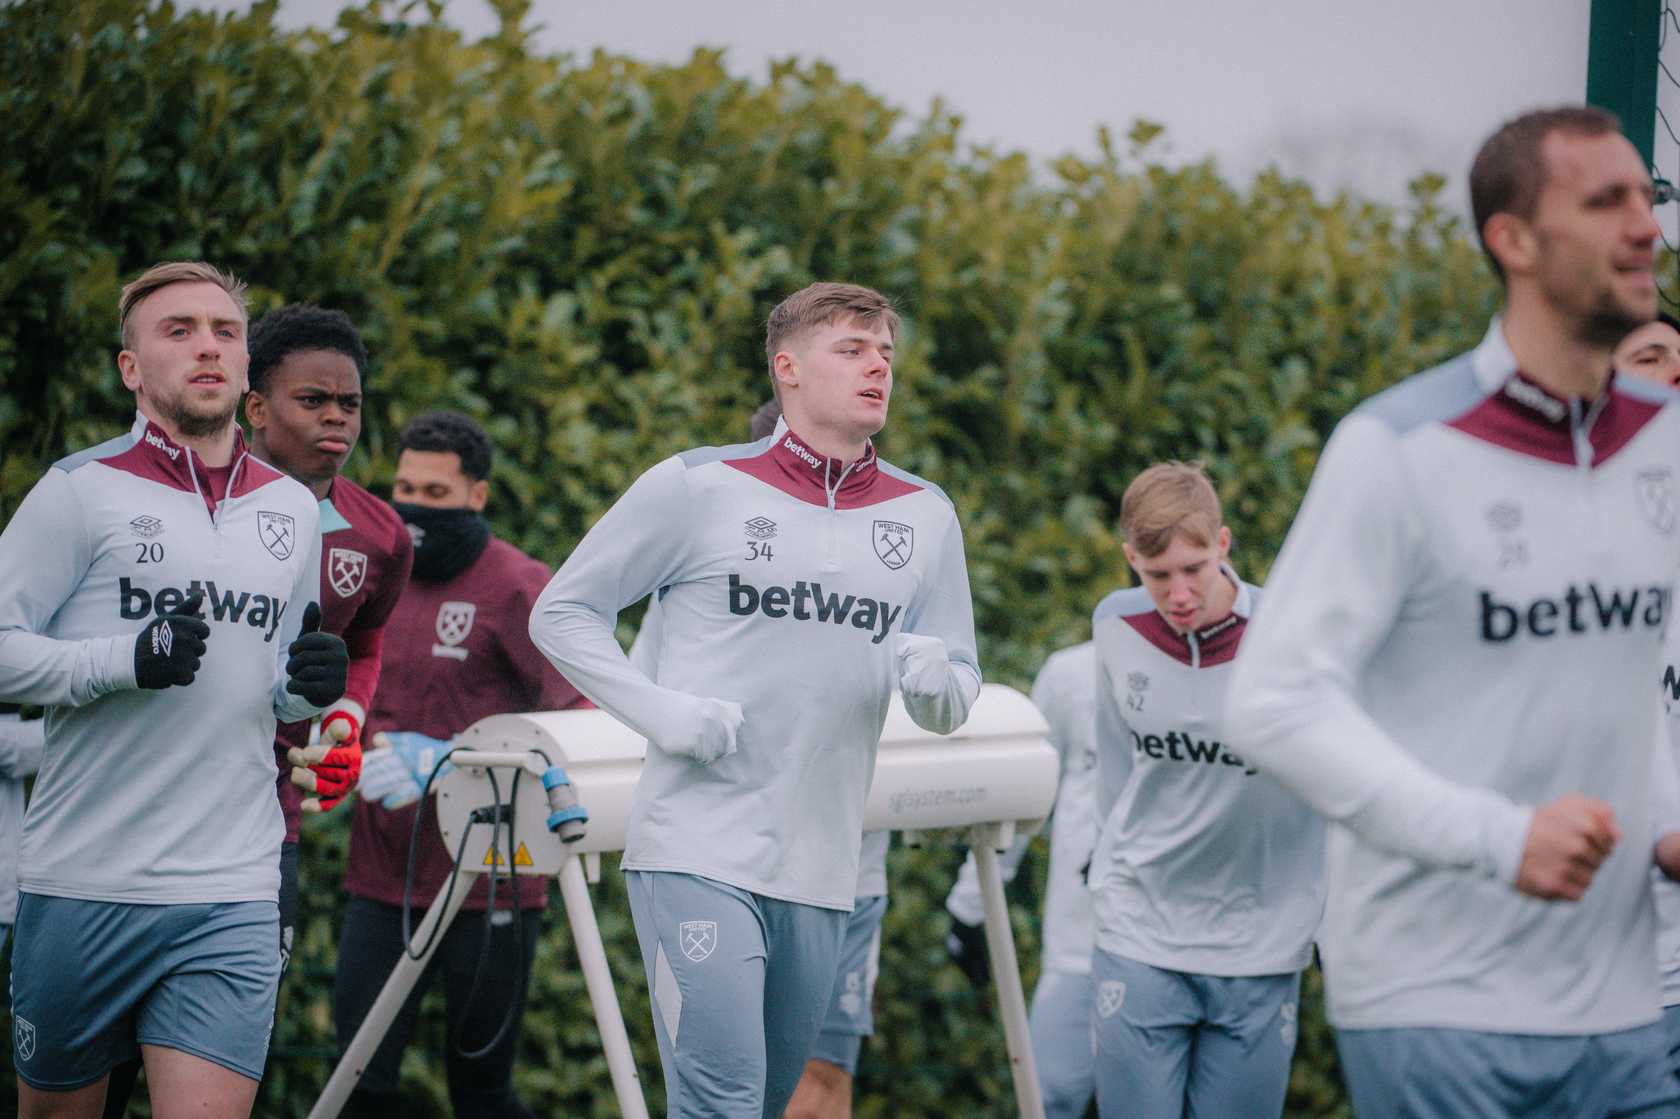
[1622,65]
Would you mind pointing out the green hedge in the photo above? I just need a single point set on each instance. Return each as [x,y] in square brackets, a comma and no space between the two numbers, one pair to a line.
[580,251]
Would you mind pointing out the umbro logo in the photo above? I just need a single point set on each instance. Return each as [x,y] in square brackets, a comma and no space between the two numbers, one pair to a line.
[760,528]
[145,526]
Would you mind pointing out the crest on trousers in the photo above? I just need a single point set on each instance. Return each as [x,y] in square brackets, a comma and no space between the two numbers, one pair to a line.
[1655,489]
[24,1032]
[698,939]
[278,532]
[1111,996]
[455,621]
[346,570]
[894,543]
[1287,1028]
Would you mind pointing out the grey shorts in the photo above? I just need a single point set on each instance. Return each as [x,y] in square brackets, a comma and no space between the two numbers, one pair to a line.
[92,981]
[1456,1074]
[851,1017]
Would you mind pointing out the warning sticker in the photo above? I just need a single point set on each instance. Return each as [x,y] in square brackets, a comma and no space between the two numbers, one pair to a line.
[521,856]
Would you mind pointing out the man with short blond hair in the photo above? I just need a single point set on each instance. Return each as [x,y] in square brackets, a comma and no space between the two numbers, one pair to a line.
[800,579]
[1205,879]
[159,595]
[1455,665]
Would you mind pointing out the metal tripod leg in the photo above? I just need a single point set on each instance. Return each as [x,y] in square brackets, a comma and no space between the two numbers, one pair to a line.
[592,955]
[1006,973]
[403,978]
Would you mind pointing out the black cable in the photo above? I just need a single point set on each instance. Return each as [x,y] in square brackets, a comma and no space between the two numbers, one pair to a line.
[413,851]
[515,1007]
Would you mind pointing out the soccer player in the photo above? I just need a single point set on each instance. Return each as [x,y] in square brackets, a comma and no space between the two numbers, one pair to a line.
[1206,880]
[1454,665]
[305,412]
[455,651]
[1652,351]
[20,757]
[1060,1016]
[801,578]
[824,1090]
[158,593]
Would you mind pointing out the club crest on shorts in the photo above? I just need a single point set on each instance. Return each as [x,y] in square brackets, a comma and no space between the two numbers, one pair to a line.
[24,1033]
[1111,996]
[278,532]
[698,939]
[455,621]
[346,570]
[1655,489]
[894,543]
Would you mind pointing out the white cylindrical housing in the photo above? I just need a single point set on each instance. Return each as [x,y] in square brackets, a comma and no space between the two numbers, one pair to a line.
[997,767]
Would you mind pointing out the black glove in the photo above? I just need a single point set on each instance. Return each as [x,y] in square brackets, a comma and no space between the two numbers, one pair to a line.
[168,651]
[319,666]
[966,945]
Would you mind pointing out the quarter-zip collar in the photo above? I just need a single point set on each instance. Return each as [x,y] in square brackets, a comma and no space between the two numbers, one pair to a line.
[792,466]
[1213,644]
[177,466]
[1520,414]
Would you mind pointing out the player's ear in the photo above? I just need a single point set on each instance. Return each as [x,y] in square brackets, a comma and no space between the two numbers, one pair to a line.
[128,364]
[256,410]
[786,369]
[1511,240]
[478,494]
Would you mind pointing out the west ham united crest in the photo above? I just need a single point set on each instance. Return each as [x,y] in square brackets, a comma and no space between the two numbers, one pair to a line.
[278,532]
[698,938]
[25,1035]
[894,543]
[1655,490]
[346,570]
[455,621]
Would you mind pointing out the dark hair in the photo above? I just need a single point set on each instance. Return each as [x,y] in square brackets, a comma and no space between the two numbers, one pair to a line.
[444,432]
[1508,172]
[763,421]
[298,328]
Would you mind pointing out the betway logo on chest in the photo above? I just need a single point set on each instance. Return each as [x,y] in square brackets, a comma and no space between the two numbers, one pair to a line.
[808,602]
[1187,748]
[256,610]
[1577,610]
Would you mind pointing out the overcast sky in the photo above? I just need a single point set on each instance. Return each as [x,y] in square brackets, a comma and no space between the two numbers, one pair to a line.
[1352,94]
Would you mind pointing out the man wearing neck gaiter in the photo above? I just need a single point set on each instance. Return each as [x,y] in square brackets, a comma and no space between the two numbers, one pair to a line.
[456,650]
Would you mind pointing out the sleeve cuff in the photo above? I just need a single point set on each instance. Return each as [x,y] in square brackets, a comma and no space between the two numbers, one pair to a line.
[1505,837]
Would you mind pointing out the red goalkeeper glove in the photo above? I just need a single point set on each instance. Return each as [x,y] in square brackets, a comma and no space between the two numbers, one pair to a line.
[331,767]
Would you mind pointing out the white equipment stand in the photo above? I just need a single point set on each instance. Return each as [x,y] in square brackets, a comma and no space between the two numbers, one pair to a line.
[994,774]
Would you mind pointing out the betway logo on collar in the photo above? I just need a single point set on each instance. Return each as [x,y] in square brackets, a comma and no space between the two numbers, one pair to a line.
[808,602]
[1536,398]
[797,448]
[157,441]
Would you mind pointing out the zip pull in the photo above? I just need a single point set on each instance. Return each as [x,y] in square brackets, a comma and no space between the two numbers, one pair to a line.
[831,555]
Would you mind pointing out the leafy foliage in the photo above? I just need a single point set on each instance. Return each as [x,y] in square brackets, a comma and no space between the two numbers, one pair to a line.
[580,252]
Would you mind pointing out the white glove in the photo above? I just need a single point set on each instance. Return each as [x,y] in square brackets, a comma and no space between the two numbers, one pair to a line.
[708,731]
[924,668]
[395,770]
